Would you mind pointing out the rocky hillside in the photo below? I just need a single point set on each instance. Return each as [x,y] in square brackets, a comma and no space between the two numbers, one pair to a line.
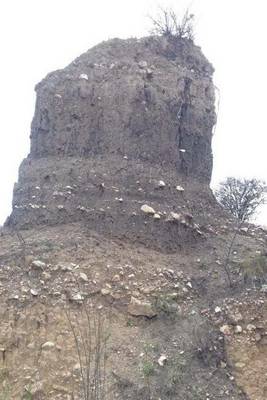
[112,263]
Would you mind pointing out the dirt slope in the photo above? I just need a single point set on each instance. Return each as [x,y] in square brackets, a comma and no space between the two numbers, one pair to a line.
[186,292]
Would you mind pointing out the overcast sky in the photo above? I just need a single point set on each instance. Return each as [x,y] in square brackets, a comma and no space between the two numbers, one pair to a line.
[39,36]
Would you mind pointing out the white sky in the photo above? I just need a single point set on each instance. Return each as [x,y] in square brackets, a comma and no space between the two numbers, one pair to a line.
[39,36]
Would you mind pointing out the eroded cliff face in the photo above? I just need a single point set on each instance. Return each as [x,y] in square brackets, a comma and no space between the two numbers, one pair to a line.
[119,119]
[130,98]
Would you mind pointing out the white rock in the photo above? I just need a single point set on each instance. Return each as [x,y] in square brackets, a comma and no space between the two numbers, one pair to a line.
[161,184]
[179,188]
[182,150]
[174,216]
[238,329]
[48,345]
[84,76]
[147,209]
[218,310]
[251,327]
[156,216]
[116,278]
[34,292]
[162,359]
[77,297]
[83,277]
[46,275]
[142,64]
[105,291]
[38,264]
[226,330]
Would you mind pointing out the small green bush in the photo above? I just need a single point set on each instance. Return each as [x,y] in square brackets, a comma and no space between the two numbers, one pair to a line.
[147,368]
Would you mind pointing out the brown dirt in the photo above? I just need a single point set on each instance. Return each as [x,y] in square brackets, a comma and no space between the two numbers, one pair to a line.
[185,287]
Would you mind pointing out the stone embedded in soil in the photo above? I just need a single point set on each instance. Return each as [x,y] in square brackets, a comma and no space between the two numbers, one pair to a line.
[105,291]
[141,308]
[48,345]
[116,278]
[240,365]
[226,330]
[174,217]
[76,297]
[238,329]
[38,264]
[34,292]
[147,209]
[162,360]
[251,327]
[235,317]
[83,277]
[161,184]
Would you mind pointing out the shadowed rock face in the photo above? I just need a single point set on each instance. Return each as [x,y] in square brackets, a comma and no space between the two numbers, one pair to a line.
[134,98]
[119,118]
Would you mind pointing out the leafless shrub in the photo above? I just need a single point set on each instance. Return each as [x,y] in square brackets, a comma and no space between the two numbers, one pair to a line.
[241,197]
[226,263]
[168,24]
[90,334]
[23,244]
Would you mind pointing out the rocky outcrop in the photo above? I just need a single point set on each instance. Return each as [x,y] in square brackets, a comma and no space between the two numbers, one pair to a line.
[107,128]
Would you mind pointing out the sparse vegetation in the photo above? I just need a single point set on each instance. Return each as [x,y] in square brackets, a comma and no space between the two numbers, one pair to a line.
[90,333]
[167,305]
[254,270]
[177,369]
[241,197]
[5,393]
[27,394]
[147,368]
[204,343]
[168,24]
[130,323]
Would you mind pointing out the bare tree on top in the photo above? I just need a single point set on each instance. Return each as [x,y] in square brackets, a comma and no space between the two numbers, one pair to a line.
[241,197]
[168,24]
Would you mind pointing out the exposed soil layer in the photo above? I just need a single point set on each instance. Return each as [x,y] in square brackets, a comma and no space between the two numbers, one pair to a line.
[83,270]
